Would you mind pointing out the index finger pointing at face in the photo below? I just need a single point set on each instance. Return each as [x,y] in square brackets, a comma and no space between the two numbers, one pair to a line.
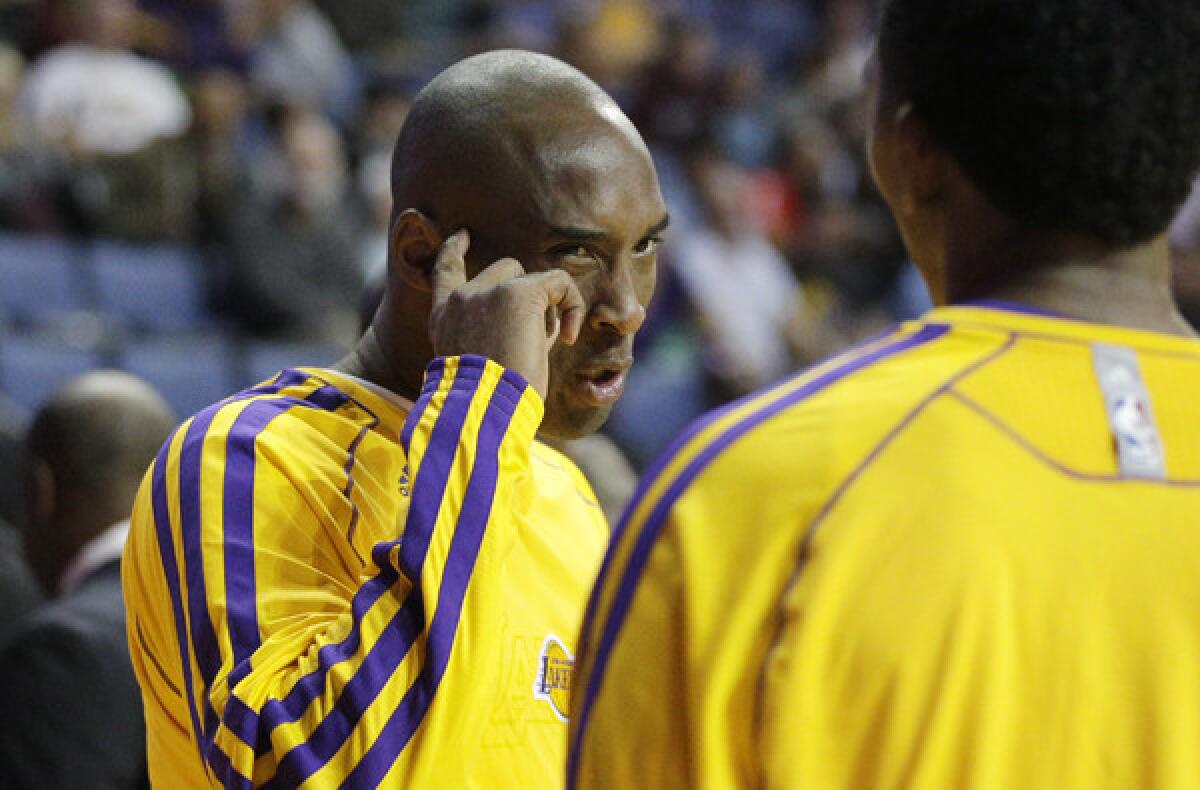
[450,268]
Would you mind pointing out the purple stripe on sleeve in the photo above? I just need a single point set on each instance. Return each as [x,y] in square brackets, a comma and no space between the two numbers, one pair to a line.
[204,638]
[166,550]
[657,518]
[397,639]
[241,595]
[436,465]
[433,379]
[244,721]
[204,642]
[464,550]
[223,769]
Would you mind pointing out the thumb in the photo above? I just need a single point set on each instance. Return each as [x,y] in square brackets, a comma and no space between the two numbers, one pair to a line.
[450,268]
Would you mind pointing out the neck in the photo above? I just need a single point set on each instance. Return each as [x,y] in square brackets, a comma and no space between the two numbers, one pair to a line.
[375,359]
[1128,287]
[77,527]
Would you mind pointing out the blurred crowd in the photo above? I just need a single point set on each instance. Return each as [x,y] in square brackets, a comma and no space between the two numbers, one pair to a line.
[259,133]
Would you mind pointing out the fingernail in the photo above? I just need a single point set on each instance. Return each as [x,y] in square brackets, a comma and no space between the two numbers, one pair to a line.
[461,236]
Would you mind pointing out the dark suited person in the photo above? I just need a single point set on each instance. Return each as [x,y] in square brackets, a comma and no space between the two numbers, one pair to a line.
[19,593]
[71,714]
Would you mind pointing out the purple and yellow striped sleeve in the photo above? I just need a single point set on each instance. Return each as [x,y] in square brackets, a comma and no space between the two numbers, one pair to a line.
[299,666]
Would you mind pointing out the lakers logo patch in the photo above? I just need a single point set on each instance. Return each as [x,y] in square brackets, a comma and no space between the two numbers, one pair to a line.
[553,681]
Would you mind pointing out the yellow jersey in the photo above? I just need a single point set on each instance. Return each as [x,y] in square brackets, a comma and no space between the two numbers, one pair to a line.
[325,589]
[965,555]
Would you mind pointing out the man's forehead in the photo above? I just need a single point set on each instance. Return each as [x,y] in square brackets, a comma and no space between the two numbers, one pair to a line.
[586,178]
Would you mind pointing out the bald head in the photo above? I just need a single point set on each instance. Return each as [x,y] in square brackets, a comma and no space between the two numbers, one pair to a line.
[506,123]
[539,164]
[98,434]
[87,450]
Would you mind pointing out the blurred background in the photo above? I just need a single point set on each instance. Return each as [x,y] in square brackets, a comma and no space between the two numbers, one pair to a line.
[196,191]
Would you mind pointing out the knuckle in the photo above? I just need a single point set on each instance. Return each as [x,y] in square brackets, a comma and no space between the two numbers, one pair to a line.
[512,265]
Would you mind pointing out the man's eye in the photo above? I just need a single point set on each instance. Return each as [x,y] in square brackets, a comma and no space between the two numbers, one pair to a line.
[646,246]
[578,251]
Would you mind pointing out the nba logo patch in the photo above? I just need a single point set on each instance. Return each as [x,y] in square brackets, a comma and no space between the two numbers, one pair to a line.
[553,681]
[1135,433]
[1135,436]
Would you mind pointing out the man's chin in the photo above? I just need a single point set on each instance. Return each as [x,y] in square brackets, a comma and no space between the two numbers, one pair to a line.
[573,423]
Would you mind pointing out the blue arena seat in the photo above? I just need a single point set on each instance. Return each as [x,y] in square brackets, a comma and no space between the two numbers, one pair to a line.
[150,287]
[32,368]
[39,277]
[190,372]
[264,359]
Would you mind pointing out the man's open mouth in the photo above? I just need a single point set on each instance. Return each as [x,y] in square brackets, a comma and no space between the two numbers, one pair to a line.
[602,384]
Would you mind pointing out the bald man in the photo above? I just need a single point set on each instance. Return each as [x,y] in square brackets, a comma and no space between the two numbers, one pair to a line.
[72,716]
[373,574]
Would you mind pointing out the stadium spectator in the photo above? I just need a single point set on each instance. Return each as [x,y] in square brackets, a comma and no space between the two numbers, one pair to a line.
[297,59]
[674,94]
[293,245]
[74,718]
[19,594]
[114,120]
[726,264]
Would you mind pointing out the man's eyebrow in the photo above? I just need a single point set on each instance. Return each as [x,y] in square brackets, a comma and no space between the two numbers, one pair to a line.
[588,234]
[578,234]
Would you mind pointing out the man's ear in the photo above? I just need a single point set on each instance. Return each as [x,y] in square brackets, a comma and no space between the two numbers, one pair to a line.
[413,245]
[919,155]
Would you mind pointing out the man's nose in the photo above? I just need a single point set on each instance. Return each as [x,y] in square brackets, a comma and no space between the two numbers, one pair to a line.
[617,307]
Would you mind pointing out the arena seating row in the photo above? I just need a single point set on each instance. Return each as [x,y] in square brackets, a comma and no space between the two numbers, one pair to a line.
[191,371]
[141,287]
[60,302]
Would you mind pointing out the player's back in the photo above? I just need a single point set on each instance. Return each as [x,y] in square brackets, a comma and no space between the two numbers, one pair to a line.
[966,555]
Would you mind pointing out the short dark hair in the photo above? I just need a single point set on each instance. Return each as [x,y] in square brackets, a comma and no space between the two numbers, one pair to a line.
[1069,115]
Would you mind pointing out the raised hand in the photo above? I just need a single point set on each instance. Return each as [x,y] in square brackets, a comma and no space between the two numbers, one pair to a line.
[503,313]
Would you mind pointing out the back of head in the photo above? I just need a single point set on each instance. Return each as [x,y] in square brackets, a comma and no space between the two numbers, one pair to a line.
[100,432]
[1081,116]
[87,450]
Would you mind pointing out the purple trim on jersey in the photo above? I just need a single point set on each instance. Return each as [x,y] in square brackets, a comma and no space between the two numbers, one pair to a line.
[433,379]
[244,721]
[701,423]
[222,769]
[284,379]
[464,551]
[1012,307]
[204,642]
[166,550]
[659,466]
[945,388]
[657,519]
[348,491]
[204,637]
[397,639]
[241,593]
[1066,471]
